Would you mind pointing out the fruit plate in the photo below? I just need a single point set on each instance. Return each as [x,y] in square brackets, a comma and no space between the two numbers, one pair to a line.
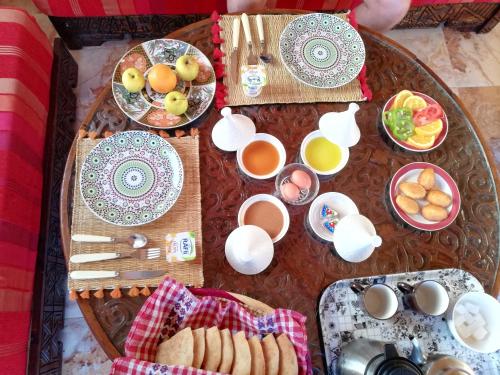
[444,182]
[439,139]
[322,50]
[146,106]
[131,178]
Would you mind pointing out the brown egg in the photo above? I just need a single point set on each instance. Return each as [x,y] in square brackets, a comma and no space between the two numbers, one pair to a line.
[290,192]
[301,179]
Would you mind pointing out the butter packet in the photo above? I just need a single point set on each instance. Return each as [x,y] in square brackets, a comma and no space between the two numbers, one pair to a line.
[180,247]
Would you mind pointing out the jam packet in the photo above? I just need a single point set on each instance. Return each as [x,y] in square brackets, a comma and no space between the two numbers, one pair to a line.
[180,246]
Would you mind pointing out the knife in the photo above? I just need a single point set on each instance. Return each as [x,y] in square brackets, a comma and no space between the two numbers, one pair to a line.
[126,275]
[234,51]
[252,58]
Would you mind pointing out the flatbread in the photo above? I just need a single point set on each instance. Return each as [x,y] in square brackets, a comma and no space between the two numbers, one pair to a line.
[227,351]
[199,346]
[242,363]
[177,350]
[213,352]
[271,354]
[258,362]
[288,357]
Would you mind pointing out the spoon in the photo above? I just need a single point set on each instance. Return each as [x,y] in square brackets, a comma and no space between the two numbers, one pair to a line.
[135,240]
[265,58]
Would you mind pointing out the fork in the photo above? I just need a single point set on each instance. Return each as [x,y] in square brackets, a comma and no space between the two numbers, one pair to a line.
[141,254]
[252,57]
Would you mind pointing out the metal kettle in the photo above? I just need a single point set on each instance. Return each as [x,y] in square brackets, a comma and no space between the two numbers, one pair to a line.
[438,364]
[370,357]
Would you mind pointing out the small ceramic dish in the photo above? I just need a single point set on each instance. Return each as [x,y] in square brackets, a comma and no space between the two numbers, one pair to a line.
[489,308]
[439,139]
[336,201]
[266,198]
[344,155]
[277,145]
[444,182]
[305,194]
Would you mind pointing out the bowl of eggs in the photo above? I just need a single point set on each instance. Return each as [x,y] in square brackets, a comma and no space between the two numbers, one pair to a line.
[297,184]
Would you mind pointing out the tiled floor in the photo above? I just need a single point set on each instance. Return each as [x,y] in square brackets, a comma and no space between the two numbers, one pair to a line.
[469,63]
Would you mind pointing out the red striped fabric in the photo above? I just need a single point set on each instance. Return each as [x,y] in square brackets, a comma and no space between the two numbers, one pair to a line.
[94,8]
[26,57]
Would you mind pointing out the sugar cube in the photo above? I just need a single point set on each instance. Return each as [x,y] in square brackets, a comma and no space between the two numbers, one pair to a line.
[465,330]
[471,308]
[459,319]
[480,333]
[460,309]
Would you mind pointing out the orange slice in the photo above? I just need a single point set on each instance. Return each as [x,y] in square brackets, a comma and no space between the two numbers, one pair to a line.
[415,103]
[432,128]
[421,142]
[400,99]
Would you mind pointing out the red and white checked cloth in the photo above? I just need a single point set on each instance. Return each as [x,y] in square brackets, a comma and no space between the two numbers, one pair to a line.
[172,307]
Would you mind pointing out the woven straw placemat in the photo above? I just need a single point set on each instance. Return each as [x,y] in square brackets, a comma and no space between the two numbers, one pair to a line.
[185,215]
[282,86]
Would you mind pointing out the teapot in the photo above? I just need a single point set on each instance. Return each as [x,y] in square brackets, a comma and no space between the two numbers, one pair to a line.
[371,357]
[436,363]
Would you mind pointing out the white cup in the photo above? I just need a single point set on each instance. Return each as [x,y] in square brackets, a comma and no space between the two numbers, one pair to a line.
[427,297]
[378,300]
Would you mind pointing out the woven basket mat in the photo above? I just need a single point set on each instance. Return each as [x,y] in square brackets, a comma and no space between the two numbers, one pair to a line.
[282,86]
[184,215]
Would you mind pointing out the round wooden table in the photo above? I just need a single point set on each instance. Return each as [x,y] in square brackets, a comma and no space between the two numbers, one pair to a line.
[302,267]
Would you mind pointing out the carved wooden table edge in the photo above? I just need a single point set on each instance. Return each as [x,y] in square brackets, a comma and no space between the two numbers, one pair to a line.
[87,311]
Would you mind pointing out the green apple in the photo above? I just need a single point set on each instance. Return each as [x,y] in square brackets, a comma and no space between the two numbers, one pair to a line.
[176,103]
[133,80]
[187,67]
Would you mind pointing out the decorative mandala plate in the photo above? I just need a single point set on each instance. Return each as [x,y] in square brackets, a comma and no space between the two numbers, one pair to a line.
[342,320]
[131,178]
[322,50]
[146,107]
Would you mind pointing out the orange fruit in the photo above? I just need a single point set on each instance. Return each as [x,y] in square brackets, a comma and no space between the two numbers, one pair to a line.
[400,98]
[432,128]
[415,102]
[162,79]
[421,142]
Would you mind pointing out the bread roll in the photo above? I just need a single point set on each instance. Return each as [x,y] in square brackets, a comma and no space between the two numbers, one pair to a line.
[427,178]
[213,349]
[227,351]
[408,205]
[242,363]
[288,357]
[177,350]
[434,213]
[258,362]
[412,190]
[271,354]
[199,347]
[438,198]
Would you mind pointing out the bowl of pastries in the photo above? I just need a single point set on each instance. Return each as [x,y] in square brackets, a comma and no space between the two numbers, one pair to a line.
[424,196]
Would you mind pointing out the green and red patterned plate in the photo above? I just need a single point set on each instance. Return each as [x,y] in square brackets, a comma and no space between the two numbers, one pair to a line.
[146,107]
[322,50]
[131,178]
